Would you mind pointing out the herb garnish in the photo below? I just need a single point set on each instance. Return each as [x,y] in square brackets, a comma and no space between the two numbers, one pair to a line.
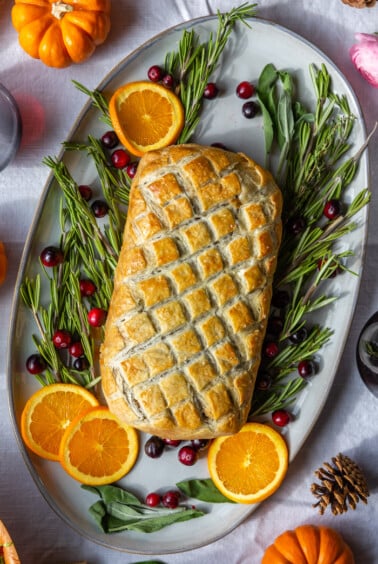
[120,510]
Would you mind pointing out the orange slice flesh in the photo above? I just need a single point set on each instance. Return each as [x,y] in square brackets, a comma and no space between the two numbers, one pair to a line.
[47,414]
[97,448]
[146,116]
[250,465]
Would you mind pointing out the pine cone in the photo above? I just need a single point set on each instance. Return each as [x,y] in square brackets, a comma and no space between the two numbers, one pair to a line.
[360,3]
[342,485]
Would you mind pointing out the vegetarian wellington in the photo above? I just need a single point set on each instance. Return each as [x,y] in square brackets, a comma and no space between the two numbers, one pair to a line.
[192,292]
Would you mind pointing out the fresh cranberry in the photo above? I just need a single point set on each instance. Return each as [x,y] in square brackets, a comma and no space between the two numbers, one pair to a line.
[168,81]
[153,499]
[306,368]
[211,91]
[76,349]
[100,208]
[263,382]
[280,299]
[188,455]
[131,169]
[86,192]
[296,225]
[172,442]
[110,140]
[245,89]
[87,287]
[51,256]
[120,158]
[299,336]
[271,349]
[35,364]
[171,499]
[96,317]
[332,209]
[281,417]
[81,364]
[62,339]
[249,109]
[200,444]
[275,325]
[155,73]
[334,268]
[154,447]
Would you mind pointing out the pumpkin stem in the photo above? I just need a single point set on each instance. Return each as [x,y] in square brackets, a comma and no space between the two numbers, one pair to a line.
[58,9]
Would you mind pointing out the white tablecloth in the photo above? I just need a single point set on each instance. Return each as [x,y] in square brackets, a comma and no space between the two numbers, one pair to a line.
[49,104]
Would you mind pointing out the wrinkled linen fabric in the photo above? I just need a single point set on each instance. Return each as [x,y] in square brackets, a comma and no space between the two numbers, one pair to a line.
[49,105]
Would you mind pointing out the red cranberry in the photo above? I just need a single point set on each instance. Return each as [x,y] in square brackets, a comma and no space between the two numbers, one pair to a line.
[299,336]
[275,325]
[249,109]
[263,382]
[211,91]
[85,192]
[245,89]
[87,287]
[168,81]
[172,442]
[155,73]
[271,349]
[96,317]
[200,444]
[81,364]
[51,256]
[100,208]
[306,368]
[296,225]
[110,140]
[154,447]
[281,417]
[332,209]
[76,349]
[188,455]
[333,268]
[131,169]
[35,364]
[171,499]
[62,339]
[120,158]
[280,299]
[153,499]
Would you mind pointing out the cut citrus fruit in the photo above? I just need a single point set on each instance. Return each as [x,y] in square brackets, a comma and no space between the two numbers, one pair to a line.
[47,414]
[8,552]
[146,116]
[250,465]
[97,448]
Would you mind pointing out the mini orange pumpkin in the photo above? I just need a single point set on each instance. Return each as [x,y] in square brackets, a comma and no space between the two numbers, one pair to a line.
[62,32]
[309,544]
[3,262]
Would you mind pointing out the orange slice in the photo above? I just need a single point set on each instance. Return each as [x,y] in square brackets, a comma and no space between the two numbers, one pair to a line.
[97,448]
[146,116]
[48,413]
[249,466]
[8,552]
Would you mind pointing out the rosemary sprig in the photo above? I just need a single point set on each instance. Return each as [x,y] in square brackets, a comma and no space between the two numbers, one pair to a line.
[194,63]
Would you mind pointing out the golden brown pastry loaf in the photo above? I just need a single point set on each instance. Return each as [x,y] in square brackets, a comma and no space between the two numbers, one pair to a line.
[192,292]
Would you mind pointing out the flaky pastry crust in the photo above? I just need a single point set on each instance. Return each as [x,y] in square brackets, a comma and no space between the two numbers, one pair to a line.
[192,292]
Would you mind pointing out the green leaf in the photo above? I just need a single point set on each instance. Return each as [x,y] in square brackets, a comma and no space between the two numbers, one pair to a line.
[204,489]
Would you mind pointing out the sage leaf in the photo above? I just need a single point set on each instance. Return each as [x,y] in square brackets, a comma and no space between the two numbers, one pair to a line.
[120,510]
[205,490]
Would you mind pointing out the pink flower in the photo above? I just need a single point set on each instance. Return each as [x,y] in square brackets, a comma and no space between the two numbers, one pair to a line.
[364,56]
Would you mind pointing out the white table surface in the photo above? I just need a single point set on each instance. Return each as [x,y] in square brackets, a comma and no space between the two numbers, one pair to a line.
[49,105]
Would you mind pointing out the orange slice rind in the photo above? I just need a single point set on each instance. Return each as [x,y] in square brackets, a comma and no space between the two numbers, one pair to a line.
[146,116]
[249,466]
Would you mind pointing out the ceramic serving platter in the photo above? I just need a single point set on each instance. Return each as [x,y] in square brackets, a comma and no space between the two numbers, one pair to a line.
[248,51]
